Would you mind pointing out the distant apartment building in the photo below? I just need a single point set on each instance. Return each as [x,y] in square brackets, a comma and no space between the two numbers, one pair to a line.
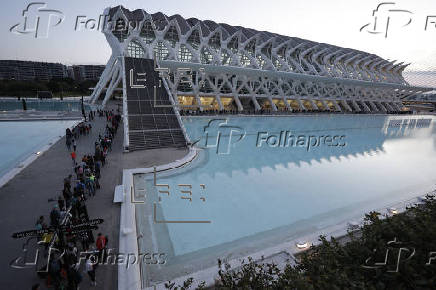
[70,72]
[87,72]
[31,70]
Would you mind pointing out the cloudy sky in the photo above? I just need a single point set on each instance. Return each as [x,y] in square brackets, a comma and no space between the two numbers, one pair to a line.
[336,22]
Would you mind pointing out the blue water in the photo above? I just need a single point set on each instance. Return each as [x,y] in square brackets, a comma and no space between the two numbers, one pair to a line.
[19,140]
[42,105]
[251,187]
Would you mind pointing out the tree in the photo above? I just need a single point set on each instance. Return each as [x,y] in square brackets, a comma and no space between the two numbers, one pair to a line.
[53,86]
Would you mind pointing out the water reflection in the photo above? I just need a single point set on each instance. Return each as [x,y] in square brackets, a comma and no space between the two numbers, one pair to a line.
[268,193]
[362,135]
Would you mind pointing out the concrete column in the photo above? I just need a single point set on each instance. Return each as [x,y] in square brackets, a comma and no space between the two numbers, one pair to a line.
[356,106]
[300,103]
[338,108]
[273,106]
[314,105]
[326,106]
[365,107]
[238,102]
[373,106]
[218,100]
[343,102]
[287,104]
[382,106]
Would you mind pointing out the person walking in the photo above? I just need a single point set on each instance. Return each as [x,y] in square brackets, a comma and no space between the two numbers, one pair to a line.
[40,224]
[54,270]
[97,166]
[90,269]
[55,216]
[73,157]
[71,255]
[76,132]
[74,277]
[68,141]
[81,208]
[74,144]
[101,245]
[67,182]
[92,184]
[61,204]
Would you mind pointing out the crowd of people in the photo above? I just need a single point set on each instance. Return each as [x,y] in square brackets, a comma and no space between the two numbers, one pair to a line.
[69,226]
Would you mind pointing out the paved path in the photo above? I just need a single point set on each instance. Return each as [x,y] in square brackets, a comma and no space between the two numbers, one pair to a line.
[38,115]
[25,197]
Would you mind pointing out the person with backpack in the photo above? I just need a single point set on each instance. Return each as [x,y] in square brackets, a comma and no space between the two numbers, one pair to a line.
[79,187]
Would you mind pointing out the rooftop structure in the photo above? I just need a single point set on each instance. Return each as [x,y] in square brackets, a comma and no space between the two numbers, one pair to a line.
[232,67]
[204,65]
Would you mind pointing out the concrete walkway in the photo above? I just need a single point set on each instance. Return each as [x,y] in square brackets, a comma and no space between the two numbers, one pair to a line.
[25,198]
[33,115]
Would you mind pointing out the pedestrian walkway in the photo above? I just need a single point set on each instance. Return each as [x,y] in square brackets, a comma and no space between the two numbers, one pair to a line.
[26,196]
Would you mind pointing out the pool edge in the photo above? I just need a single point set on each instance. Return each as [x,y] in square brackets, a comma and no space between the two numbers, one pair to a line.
[130,277]
[9,175]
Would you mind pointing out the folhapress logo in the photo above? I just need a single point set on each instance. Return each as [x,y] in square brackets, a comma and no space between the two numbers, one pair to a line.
[38,20]
[286,139]
[222,136]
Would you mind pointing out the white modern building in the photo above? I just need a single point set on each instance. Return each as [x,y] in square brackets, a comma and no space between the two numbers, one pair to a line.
[215,66]
[208,66]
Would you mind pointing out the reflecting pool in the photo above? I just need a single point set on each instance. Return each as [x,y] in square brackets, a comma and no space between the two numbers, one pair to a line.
[259,181]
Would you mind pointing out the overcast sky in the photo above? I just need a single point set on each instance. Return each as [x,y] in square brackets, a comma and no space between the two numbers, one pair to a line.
[334,21]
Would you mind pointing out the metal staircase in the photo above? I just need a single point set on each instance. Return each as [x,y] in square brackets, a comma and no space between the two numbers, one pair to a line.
[152,121]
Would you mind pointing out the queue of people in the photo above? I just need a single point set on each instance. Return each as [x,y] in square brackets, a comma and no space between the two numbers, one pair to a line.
[72,135]
[68,227]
